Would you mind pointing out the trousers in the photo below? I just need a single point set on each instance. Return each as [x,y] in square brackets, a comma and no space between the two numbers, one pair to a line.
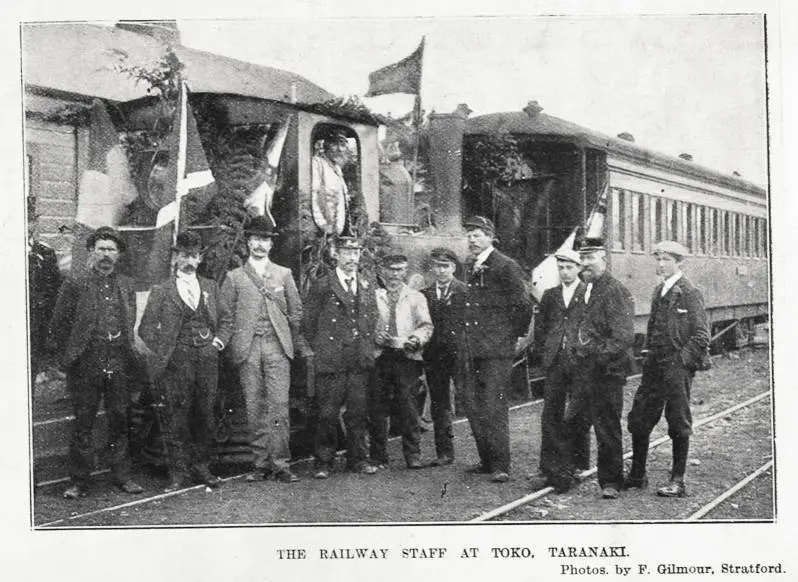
[333,390]
[440,374]
[485,403]
[665,385]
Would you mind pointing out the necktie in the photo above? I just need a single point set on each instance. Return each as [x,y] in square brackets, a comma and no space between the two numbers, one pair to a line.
[349,285]
[442,289]
[587,292]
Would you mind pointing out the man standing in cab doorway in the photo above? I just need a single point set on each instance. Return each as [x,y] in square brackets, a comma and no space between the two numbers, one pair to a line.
[603,351]
[442,361]
[92,327]
[556,325]
[341,311]
[497,313]
[182,325]
[267,313]
[677,342]
[403,328]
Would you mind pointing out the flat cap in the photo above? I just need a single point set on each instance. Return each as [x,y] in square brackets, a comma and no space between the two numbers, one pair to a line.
[393,259]
[568,255]
[485,224]
[443,255]
[591,245]
[671,247]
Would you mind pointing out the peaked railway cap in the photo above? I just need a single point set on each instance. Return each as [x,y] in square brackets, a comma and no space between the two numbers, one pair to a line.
[480,222]
[443,255]
[347,242]
[591,245]
[671,247]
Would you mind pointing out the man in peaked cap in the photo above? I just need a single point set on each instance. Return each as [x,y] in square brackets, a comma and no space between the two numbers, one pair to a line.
[677,342]
[182,325]
[267,313]
[497,313]
[562,454]
[92,328]
[442,355]
[341,311]
[603,353]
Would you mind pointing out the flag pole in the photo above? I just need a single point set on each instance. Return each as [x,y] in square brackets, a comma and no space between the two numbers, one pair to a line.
[417,112]
[181,154]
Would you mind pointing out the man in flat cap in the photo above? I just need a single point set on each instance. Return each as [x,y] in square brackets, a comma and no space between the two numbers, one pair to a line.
[329,192]
[446,301]
[341,311]
[562,454]
[403,329]
[182,325]
[603,352]
[92,327]
[497,313]
[267,312]
[677,342]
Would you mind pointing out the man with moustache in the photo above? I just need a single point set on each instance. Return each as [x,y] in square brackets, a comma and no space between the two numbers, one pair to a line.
[403,328]
[497,313]
[677,342]
[603,352]
[267,312]
[92,327]
[182,325]
[446,301]
[555,337]
[329,192]
[341,311]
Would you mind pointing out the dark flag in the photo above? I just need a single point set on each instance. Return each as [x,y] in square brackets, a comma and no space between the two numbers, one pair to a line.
[401,77]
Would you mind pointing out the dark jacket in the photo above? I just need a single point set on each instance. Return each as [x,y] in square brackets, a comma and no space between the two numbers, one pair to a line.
[44,279]
[497,308]
[163,317]
[75,314]
[606,333]
[557,325]
[688,323]
[330,323]
[447,318]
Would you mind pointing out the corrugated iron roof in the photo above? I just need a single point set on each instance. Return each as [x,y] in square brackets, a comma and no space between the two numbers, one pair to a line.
[80,58]
[521,123]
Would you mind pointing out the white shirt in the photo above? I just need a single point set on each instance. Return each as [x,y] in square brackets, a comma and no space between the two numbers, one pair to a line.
[588,289]
[483,256]
[669,282]
[342,277]
[188,288]
[259,265]
[568,292]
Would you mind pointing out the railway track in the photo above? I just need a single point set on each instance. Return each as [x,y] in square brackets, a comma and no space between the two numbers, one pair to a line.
[730,492]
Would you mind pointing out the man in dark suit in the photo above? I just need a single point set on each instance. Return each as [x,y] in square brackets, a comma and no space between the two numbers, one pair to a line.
[44,279]
[267,312]
[92,327]
[182,325]
[677,342]
[603,354]
[340,325]
[555,337]
[497,313]
[446,301]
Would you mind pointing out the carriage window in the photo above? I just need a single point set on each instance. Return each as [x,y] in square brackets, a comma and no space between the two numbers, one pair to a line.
[619,219]
[738,235]
[725,221]
[688,227]
[673,221]
[638,222]
[701,231]
[755,237]
[715,245]
[656,219]
[764,238]
[746,250]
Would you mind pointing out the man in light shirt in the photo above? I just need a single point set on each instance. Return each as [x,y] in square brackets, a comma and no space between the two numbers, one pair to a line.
[267,313]
[182,325]
[677,340]
[562,452]
[329,192]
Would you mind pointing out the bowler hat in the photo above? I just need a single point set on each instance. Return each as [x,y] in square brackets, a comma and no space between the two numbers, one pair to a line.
[443,255]
[568,255]
[591,245]
[188,241]
[105,233]
[671,247]
[260,226]
[480,222]
[347,242]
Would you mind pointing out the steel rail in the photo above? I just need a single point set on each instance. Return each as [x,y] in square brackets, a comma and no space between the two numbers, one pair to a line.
[590,472]
[729,492]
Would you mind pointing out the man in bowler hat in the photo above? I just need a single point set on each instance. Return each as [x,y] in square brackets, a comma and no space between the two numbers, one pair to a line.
[267,313]
[497,314]
[92,328]
[182,325]
[677,341]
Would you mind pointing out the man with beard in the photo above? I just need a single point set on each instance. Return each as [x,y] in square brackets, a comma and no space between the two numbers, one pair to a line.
[442,362]
[555,338]
[341,311]
[497,313]
[182,325]
[677,339]
[403,327]
[267,312]
[329,192]
[603,352]
[92,327]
